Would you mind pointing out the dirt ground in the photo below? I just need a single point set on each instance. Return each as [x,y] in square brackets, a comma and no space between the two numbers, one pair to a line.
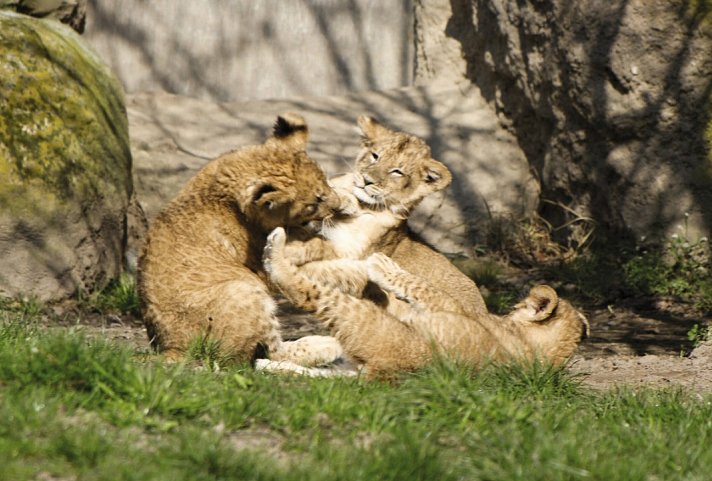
[635,344]
[644,343]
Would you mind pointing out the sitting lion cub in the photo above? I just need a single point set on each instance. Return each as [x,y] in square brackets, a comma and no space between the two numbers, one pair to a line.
[200,272]
[403,335]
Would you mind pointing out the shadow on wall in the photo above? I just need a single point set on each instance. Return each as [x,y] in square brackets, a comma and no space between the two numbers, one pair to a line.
[609,101]
[171,141]
[242,49]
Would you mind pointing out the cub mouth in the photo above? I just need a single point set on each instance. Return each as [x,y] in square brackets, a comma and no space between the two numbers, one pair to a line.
[312,226]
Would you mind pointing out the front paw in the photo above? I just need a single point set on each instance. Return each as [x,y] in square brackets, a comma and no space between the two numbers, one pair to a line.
[348,203]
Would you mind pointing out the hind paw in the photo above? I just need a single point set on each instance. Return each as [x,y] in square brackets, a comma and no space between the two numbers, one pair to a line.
[274,247]
[379,266]
[310,351]
[276,239]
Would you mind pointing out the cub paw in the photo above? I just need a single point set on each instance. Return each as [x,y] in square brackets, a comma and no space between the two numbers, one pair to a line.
[378,266]
[277,238]
[348,203]
[311,351]
[274,248]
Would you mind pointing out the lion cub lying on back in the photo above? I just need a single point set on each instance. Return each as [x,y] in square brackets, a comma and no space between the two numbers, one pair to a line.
[404,334]
[394,173]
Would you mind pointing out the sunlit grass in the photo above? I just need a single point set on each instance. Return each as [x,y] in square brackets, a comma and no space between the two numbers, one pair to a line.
[78,408]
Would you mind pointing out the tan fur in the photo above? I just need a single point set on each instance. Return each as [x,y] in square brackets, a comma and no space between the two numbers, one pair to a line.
[394,172]
[200,270]
[404,335]
[542,326]
[428,303]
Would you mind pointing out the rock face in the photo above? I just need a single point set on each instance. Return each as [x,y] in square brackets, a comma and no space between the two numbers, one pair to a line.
[174,136]
[71,12]
[609,100]
[242,50]
[65,162]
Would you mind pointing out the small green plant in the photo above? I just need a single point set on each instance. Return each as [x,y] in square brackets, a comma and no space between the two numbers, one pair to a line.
[120,296]
[485,272]
[499,297]
[699,334]
[535,378]
[28,307]
[595,275]
[208,351]
[680,267]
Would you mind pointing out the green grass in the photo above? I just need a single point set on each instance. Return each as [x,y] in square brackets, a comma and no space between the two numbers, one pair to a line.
[119,297]
[79,408]
[499,297]
[209,352]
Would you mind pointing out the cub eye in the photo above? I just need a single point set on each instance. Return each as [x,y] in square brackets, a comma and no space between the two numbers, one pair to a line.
[396,173]
[374,156]
[431,177]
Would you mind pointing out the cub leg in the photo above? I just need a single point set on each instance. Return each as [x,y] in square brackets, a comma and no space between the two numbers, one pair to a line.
[388,275]
[241,315]
[314,249]
[299,289]
[347,275]
[370,335]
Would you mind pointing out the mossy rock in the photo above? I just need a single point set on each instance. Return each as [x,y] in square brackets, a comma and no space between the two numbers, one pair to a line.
[65,163]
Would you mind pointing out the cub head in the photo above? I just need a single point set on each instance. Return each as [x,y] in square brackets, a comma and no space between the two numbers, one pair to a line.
[290,190]
[395,170]
[551,325]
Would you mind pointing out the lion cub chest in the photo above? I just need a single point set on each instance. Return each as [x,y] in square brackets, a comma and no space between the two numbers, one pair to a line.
[355,237]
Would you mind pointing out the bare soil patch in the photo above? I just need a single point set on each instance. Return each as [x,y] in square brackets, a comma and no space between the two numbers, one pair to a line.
[644,343]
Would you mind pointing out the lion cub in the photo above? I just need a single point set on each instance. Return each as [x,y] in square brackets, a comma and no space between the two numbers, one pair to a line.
[200,272]
[404,335]
[394,173]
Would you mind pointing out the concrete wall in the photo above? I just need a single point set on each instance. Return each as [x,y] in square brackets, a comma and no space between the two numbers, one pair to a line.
[231,50]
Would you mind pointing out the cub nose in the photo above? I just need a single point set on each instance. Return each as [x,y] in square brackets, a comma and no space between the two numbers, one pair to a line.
[367,181]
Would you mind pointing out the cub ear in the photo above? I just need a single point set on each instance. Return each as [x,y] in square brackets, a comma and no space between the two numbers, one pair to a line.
[291,128]
[542,301]
[437,175]
[371,129]
[267,196]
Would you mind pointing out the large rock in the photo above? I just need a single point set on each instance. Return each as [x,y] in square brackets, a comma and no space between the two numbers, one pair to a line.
[610,100]
[71,12]
[65,162]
